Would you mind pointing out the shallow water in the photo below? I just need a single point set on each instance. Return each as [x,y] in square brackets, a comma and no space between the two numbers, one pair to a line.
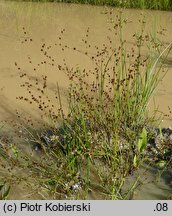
[152,184]
[43,23]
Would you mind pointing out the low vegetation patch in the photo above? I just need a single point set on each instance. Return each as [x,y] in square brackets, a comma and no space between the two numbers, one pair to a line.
[143,4]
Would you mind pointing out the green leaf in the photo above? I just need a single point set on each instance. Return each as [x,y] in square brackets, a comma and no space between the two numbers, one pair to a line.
[14,150]
[161,164]
[4,191]
[142,142]
[161,134]
[52,182]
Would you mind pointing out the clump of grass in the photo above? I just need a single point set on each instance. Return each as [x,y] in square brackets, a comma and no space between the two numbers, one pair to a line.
[143,4]
[112,110]
[103,136]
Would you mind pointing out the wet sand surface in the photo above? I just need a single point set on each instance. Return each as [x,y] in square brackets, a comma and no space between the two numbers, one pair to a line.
[25,26]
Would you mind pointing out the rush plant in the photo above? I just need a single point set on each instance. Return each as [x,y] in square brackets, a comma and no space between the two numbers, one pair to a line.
[102,139]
